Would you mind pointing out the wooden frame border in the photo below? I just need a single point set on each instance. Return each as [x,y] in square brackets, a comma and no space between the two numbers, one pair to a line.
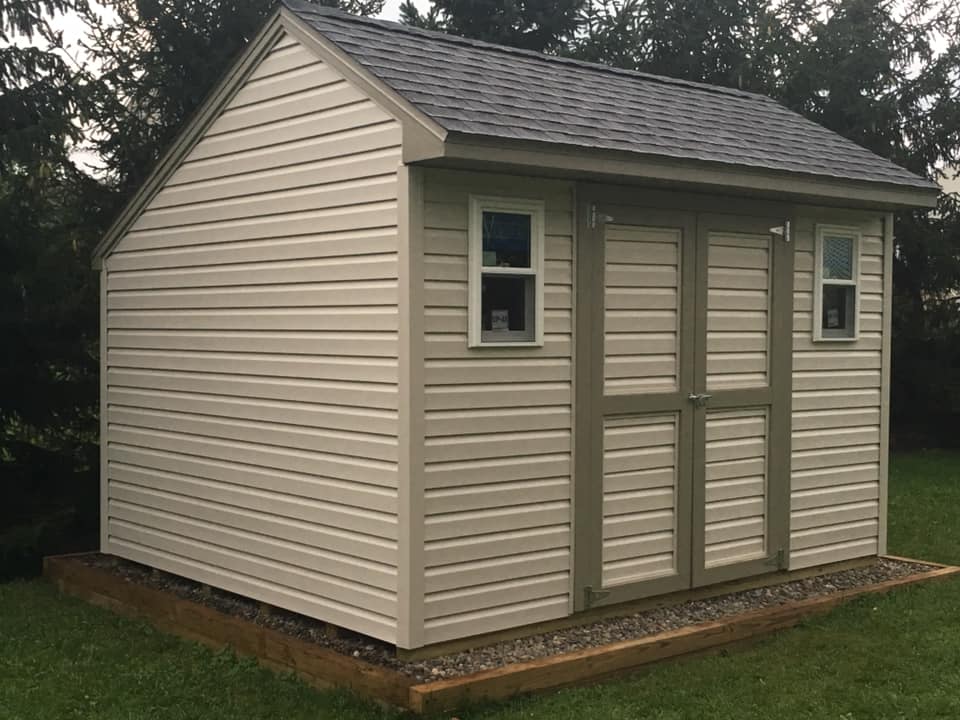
[325,668]
[622,658]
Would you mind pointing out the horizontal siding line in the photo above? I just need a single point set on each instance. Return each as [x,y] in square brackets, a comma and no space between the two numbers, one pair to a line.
[266,334]
[504,387]
[384,284]
[823,529]
[495,436]
[512,510]
[294,117]
[628,562]
[835,392]
[850,544]
[495,462]
[835,451]
[829,413]
[240,204]
[308,66]
[386,494]
[252,355]
[493,485]
[335,261]
[359,385]
[540,555]
[276,404]
[479,615]
[386,622]
[389,440]
[318,85]
[518,535]
[313,576]
[632,539]
[312,168]
[352,460]
[831,471]
[813,512]
[277,221]
[315,116]
[371,128]
[470,413]
[361,562]
[504,586]
[642,515]
[356,236]
[307,479]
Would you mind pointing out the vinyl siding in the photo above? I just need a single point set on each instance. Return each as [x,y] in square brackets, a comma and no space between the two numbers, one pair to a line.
[639,497]
[836,435]
[498,427]
[252,354]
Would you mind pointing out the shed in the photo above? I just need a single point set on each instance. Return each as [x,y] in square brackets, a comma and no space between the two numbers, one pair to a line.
[426,338]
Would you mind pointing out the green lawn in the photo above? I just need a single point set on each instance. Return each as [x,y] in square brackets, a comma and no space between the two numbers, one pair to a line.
[891,657]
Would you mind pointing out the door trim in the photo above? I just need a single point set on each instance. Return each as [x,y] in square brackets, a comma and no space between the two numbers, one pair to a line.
[590,405]
[775,397]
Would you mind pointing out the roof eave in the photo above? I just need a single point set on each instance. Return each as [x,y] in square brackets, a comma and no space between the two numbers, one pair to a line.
[478,151]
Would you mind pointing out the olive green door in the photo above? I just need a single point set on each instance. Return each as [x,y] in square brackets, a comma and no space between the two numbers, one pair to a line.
[683,365]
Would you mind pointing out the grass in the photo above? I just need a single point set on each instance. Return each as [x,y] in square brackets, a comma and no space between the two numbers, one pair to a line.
[879,658]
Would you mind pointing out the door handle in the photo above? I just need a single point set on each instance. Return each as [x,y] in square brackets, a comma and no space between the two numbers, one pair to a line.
[699,399]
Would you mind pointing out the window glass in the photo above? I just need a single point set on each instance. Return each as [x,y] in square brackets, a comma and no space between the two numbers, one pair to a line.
[506,239]
[506,304]
[838,309]
[837,258]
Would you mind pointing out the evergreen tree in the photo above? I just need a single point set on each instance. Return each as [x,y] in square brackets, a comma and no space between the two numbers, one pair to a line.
[540,25]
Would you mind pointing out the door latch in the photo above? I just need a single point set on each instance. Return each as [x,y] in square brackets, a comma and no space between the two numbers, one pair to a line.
[699,399]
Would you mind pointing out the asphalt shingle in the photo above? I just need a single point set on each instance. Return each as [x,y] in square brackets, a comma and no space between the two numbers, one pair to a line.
[476,88]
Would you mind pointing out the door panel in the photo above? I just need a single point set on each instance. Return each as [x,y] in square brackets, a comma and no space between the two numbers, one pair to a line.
[639,498]
[735,486]
[642,280]
[738,310]
[683,400]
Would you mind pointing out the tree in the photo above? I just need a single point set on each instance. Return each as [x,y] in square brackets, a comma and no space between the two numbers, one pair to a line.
[540,25]
[48,365]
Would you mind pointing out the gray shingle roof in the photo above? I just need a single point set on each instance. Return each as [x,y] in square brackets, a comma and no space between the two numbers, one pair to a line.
[480,89]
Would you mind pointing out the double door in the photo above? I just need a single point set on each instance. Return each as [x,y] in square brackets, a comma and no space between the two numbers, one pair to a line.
[683,393]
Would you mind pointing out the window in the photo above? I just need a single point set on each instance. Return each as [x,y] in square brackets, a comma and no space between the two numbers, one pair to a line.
[506,272]
[836,294]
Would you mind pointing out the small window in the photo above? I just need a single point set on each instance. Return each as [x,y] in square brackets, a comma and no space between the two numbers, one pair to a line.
[836,295]
[506,272]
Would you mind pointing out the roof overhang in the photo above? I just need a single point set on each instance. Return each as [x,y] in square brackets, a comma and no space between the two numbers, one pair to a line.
[427,142]
[497,154]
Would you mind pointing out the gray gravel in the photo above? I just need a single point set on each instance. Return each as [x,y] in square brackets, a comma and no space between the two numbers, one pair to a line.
[601,632]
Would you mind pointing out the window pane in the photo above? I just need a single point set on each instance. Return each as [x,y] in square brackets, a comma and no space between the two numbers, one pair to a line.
[507,305]
[837,258]
[506,239]
[838,309]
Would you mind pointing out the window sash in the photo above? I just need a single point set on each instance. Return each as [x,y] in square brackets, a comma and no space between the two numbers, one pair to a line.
[477,337]
[820,333]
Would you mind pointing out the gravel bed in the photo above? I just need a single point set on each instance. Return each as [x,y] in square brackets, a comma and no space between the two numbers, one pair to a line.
[600,632]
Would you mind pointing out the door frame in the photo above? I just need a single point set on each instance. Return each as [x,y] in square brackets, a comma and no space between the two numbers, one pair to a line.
[587,513]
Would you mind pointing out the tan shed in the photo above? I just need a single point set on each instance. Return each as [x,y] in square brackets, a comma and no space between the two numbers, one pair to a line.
[429,338]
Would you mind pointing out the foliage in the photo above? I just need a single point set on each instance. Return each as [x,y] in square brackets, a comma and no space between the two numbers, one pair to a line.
[881,658]
[540,25]
[146,66]
[883,73]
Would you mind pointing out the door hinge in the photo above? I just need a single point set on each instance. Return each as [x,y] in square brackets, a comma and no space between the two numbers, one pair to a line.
[782,230]
[591,596]
[596,219]
[778,559]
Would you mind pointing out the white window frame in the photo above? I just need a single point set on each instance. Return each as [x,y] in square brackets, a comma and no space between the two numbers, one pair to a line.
[536,210]
[819,282]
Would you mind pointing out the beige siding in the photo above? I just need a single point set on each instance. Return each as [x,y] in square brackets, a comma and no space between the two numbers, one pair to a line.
[639,498]
[836,447]
[736,486]
[498,430]
[641,309]
[738,305]
[252,344]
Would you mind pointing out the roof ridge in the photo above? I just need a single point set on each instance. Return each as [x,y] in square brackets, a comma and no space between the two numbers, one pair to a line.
[305,6]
